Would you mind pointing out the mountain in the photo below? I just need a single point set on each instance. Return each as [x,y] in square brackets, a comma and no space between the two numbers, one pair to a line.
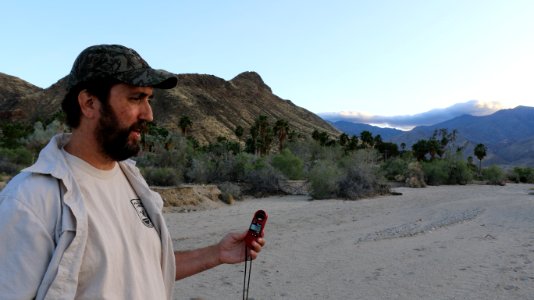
[508,134]
[215,106]
[356,128]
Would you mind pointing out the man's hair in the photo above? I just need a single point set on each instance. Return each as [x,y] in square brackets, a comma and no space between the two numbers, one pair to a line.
[70,105]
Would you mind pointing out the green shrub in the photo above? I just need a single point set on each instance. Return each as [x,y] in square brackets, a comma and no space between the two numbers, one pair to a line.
[262,178]
[447,171]
[324,178]
[436,172]
[162,176]
[14,160]
[289,164]
[459,172]
[228,188]
[359,181]
[395,169]
[521,174]
[201,169]
[494,175]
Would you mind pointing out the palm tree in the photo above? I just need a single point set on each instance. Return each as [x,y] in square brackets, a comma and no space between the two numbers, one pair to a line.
[261,136]
[185,123]
[281,129]
[480,153]
[343,139]
[367,138]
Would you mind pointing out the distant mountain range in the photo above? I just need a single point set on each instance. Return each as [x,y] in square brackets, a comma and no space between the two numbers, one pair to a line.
[216,107]
[508,134]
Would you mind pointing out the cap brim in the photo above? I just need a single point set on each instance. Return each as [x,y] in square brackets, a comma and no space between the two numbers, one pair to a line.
[160,79]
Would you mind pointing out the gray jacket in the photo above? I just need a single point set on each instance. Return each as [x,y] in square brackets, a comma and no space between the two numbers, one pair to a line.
[43,232]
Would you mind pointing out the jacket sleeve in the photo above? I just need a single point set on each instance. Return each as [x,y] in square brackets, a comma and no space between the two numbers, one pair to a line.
[26,247]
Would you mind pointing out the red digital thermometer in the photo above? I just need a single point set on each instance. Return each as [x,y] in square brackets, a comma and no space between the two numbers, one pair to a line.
[256,227]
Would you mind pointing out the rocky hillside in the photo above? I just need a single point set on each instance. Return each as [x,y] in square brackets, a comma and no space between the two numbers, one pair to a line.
[215,106]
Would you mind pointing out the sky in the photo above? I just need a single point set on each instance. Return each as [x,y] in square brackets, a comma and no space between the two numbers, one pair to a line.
[375,60]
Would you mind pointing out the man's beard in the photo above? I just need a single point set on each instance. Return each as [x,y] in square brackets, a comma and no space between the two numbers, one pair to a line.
[114,140]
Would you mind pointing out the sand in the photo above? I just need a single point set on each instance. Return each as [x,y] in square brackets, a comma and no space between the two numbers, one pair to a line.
[446,242]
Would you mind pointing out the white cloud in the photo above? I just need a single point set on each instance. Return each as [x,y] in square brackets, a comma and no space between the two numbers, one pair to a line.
[431,117]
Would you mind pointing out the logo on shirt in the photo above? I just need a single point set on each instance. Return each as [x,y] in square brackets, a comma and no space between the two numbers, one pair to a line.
[141,212]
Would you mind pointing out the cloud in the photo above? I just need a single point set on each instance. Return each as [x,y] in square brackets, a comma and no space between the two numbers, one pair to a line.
[407,122]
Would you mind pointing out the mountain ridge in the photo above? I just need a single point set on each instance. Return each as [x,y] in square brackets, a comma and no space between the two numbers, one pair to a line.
[214,105]
[508,134]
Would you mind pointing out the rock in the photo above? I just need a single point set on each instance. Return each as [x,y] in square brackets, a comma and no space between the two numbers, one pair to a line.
[189,197]
[294,187]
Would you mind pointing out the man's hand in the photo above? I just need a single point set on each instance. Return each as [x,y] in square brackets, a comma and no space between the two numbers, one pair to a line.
[232,248]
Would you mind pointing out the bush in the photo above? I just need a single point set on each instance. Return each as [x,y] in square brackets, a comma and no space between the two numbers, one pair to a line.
[162,176]
[415,176]
[447,171]
[459,172]
[200,170]
[494,175]
[230,189]
[19,156]
[395,169]
[289,164]
[436,172]
[262,178]
[523,175]
[324,178]
[14,160]
[359,181]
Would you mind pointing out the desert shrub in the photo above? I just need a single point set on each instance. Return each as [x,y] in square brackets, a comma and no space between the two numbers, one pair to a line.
[310,151]
[415,176]
[9,168]
[459,172]
[359,181]
[14,160]
[521,174]
[262,178]
[289,164]
[173,152]
[200,169]
[362,176]
[18,156]
[395,169]
[162,176]
[494,175]
[228,188]
[447,171]
[324,177]
[436,172]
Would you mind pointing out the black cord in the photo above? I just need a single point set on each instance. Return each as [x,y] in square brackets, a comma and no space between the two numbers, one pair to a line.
[246,284]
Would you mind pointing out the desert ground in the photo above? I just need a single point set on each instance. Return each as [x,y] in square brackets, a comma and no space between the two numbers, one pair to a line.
[444,242]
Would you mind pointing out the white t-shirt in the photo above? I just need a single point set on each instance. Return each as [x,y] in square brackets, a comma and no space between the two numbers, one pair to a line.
[122,258]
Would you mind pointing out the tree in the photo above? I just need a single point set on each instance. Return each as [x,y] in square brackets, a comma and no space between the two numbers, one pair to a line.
[239,131]
[343,139]
[185,124]
[281,129]
[420,149]
[480,153]
[321,137]
[367,138]
[261,136]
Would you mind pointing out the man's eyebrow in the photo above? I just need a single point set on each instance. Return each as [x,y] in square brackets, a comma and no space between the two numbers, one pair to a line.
[142,95]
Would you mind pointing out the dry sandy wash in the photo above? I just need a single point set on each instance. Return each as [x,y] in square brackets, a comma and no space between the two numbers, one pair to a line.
[446,242]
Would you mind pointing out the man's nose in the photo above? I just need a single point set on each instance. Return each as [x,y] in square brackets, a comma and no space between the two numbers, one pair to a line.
[146,112]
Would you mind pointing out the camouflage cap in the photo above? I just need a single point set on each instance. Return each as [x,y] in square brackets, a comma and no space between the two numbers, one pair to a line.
[120,63]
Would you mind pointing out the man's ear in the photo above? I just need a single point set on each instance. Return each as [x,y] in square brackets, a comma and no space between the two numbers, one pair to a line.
[89,104]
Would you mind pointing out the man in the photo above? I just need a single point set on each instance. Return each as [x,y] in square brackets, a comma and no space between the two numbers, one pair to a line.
[82,222]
